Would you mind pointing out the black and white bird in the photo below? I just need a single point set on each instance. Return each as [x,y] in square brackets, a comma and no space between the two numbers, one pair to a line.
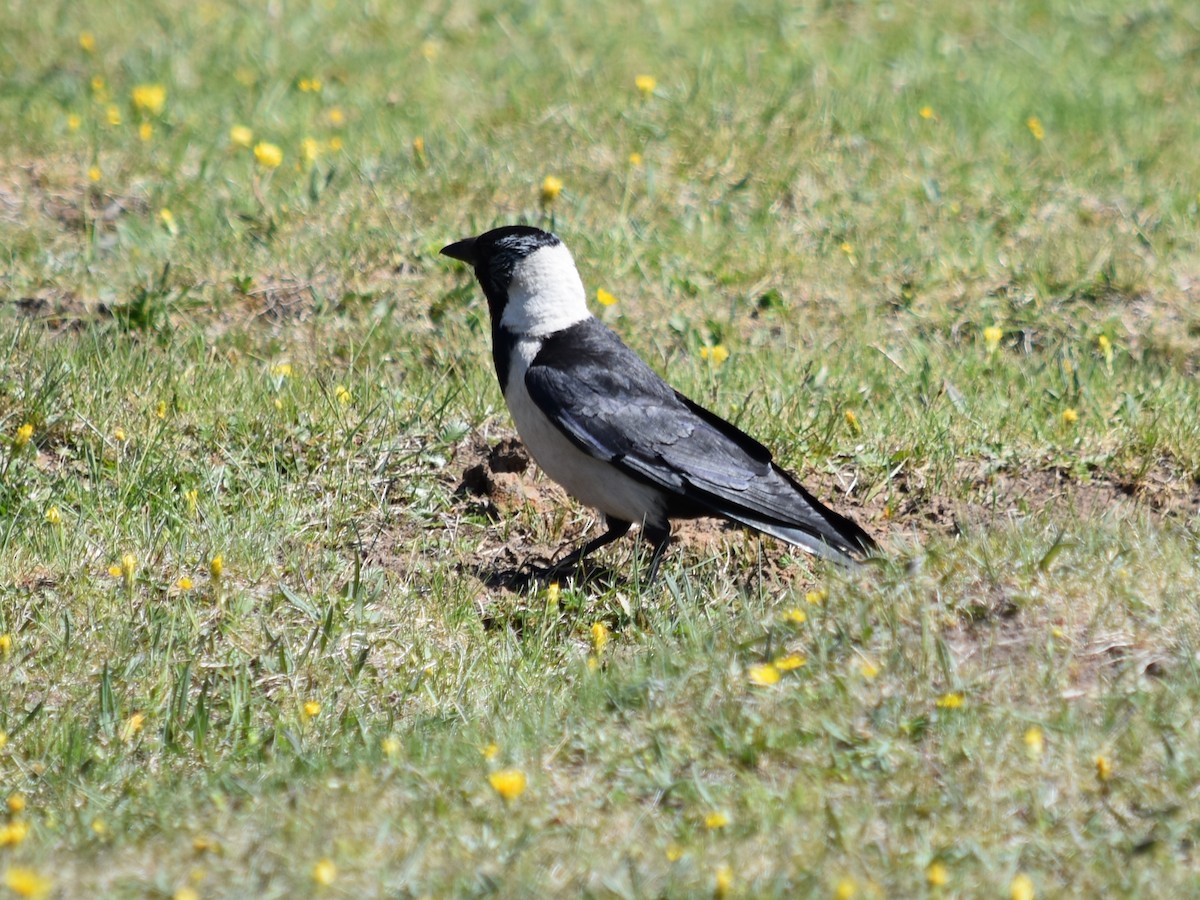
[605,426]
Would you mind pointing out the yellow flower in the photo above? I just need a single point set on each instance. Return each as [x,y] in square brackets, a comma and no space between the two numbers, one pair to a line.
[115,571]
[953,700]
[599,637]
[1070,416]
[99,828]
[1022,888]
[795,616]
[73,122]
[674,852]
[1103,769]
[551,188]
[991,337]
[847,248]
[160,409]
[192,497]
[113,113]
[390,747]
[344,396]
[310,149]
[1035,743]
[27,882]
[1034,124]
[937,874]
[552,594]
[846,888]
[184,583]
[3,739]
[118,434]
[16,804]
[133,725]
[820,595]
[635,160]
[186,893]
[508,783]
[430,50]
[335,144]
[309,85]
[24,434]
[716,355]
[93,173]
[128,565]
[789,662]
[97,84]
[490,751]
[715,820]
[852,422]
[145,131]
[13,833]
[241,136]
[335,116]
[646,84]
[312,709]
[926,112]
[6,645]
[216,566]
[87,42]
[764,675]
[268,155]
[148,98]
[604,298]
[324,873]
[168,219]
[283,370]
[418,148]
[722,880]
[868,669]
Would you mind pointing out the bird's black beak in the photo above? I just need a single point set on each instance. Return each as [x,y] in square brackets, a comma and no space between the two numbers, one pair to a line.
[464,250]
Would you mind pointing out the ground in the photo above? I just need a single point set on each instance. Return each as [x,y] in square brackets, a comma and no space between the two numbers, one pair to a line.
[264,628]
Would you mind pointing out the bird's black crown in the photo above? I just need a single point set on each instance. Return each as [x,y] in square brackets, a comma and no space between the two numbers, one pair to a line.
[495,254]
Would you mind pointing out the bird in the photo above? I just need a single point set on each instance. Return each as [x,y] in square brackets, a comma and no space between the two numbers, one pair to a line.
[605,426]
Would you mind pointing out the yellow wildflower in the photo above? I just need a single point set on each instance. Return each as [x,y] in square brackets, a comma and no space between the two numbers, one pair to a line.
[635,160]
[27,882]
[119,434]
[99,827]
[87,42]
[149,98]
[722,880]
[74,121]
[846,888]
[926,112]
[13,833]
[991,337]
[23,436]
[764,675]
[852,422]
[160,408]
[186,892]
[716,354]
[309,85]
[335,116]
[93,173]
[324,873]
[310,149]
[193,498]
[1070,416]
[3,739]
[790,662]
[952,700]
[268,155]
[145,131]
[551,187]
[343,395]
[646,84]
[508,783]
[1034,124]
[113,113]
[552,594]
[847,248]
[674,852]
[1104,344]
[6,645]
[16,804]
[97,84]
[418,148]
[795,616]
[1103,769]
[430,50]
[128,565]
[283,370]
[490,751]
[1022,888]
[115,571]
[390,747]
[1035,743]
[604,298]
[311,709]
[184,583]
[715,820]
[868,669]
[132,727]
[241,136]
[168,219]
[216,566]
[335,144]
[820,595]
[599,637]
[937,875]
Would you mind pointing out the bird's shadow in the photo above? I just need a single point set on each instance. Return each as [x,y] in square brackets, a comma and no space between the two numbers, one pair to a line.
[520,579]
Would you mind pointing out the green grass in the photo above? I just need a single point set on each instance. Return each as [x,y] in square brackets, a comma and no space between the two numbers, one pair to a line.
[845,196]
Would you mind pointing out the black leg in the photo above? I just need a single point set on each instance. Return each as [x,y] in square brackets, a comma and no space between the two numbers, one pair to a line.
[659,538]
[616,529]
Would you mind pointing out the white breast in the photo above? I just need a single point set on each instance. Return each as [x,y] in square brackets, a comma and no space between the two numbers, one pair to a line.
[591,481]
